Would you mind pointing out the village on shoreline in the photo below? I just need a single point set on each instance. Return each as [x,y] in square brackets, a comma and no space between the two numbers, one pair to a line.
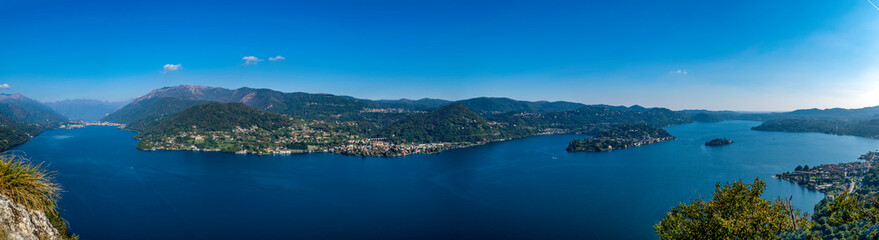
[833,179]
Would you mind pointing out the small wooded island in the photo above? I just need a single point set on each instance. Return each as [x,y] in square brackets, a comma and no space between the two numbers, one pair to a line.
[622,136]
[718,142]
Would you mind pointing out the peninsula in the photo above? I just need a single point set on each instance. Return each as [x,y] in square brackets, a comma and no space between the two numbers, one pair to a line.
[264,121]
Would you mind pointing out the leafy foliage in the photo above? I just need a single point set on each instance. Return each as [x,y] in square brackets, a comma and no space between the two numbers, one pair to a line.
[736,212]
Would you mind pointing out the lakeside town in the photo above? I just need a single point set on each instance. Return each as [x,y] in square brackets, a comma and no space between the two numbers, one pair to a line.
[833,179]
[304,137]
[82,124]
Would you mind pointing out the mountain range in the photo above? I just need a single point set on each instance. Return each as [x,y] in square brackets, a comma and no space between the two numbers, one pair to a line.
[404,120]
[85,109]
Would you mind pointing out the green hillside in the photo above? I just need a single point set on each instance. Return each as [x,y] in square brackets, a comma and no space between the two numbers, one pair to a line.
[22,118]
[142,115]
[591,119]
[503,105]
[220,117]
[451,123]
[865,128]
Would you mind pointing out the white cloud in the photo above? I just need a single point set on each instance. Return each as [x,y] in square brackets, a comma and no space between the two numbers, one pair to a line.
[4,86]
[679,71]
[172,67]
[278,58]
[250,60]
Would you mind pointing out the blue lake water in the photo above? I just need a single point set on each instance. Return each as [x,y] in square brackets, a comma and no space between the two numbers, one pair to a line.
[522,189]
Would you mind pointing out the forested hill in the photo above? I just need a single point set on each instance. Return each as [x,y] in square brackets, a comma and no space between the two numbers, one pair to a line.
[424,104]
[503,105]
[862,122]
[830,114]
[592,119]
[316,106]
[13,132]
[220,117]
[451,123]
[634,131]
[862,128]
[26,110]
[620,137]
[144,114]
[22,118]
[373,114]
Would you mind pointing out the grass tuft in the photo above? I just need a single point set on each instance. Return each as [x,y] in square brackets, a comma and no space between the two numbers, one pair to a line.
[30,185]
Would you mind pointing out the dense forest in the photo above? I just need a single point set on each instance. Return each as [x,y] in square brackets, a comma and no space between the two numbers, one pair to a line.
[863,128]
[619,137]
[13,133]
[145,114]
[220,117]
[451,123]
[504,105]
[22,118]
[591,119]
[402,120]
[706,117]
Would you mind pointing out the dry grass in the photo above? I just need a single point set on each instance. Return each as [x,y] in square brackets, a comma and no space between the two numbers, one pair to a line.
[30,185]
[27,184]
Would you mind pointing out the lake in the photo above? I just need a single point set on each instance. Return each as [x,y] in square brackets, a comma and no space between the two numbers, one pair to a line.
[521,189]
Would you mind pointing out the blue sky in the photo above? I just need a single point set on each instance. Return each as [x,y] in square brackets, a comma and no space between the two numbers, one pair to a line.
[739,55]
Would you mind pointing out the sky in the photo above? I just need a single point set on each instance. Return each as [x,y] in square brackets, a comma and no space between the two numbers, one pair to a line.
[732,55]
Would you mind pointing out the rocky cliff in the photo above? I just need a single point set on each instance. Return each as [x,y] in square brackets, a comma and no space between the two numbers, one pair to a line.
[18,222]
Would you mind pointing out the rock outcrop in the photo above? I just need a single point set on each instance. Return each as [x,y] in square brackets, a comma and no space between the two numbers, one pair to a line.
[18,222]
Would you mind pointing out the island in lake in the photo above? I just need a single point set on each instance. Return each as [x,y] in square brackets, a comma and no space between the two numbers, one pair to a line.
[620,137]
[718,142]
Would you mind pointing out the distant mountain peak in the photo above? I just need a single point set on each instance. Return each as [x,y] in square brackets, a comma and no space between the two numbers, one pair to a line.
[16,96]
[180,91]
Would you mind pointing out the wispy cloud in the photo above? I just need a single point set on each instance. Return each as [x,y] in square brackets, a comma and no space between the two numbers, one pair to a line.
[250,60]
[172,67]
[874,5]
[4,86]
[278,58]
[679,71]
